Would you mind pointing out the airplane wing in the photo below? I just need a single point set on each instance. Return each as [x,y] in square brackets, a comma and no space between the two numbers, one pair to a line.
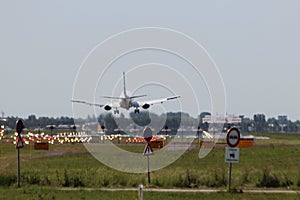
[159,101]
[87,103]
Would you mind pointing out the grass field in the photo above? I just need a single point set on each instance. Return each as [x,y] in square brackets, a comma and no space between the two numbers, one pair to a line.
[270,163]
[54,194]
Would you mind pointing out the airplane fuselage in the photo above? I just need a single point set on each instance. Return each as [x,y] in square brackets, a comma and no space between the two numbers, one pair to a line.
[125,103]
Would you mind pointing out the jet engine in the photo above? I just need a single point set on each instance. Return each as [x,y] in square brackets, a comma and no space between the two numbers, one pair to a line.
[146,106]
[107,107]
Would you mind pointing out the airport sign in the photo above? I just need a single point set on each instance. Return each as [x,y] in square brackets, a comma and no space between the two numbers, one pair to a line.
[246,142]
[232,155]
[41,146]
[148,150]
[147,134]
[19,126]
[19,143]
[233,137]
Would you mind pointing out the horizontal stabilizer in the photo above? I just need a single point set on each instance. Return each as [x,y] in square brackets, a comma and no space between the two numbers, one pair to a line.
[109,97]
[138,96]
[132,97]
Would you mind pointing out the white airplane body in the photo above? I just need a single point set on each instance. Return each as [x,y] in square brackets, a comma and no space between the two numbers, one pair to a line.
[127,102]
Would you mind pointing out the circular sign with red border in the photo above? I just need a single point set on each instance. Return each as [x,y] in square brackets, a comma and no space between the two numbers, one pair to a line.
[19,126]
[233,137]
[147,133]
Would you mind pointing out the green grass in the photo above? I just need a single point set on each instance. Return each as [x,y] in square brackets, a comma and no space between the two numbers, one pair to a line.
[78,168]
[271,163]
[36,193]
[279,138]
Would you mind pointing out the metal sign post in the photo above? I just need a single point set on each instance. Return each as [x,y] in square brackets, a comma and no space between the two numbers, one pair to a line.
[229,176]
[19,128]
[148,165]
[147,133]
[232,153]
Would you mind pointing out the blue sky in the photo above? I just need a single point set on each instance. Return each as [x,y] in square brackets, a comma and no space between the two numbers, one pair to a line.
[255,45]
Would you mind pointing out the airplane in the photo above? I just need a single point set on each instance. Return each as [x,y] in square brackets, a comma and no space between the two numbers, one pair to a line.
[127,102]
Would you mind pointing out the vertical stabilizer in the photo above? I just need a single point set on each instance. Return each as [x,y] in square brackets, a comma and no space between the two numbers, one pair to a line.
[124,85]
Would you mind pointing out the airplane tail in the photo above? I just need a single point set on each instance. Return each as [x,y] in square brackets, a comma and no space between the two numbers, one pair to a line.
[125,94]
[124,85]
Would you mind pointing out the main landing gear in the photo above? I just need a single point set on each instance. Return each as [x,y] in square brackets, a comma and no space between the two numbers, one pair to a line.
[136,110]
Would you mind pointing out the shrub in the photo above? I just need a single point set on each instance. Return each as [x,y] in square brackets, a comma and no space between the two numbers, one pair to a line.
[192,180]
[8,180]
[286,181]
[105,182]
[31,178]
[157,182]
[246,175]
[187,180]
[180,181]
[47,181]
[220,179]
[77,181]
[67,182]
[268,179]
[298,183]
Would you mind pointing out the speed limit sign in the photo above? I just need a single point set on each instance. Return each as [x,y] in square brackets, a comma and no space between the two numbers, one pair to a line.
[233,137]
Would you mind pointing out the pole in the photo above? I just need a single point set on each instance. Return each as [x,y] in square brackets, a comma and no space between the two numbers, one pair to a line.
[229,176]
[141,192]
[19,128]
[30,146]
[1,147]
[18,167]
[214,135]
[148,163]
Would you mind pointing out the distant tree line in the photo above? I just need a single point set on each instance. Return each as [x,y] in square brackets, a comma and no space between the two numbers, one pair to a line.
[172,121]
[32,122]
[259,122]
